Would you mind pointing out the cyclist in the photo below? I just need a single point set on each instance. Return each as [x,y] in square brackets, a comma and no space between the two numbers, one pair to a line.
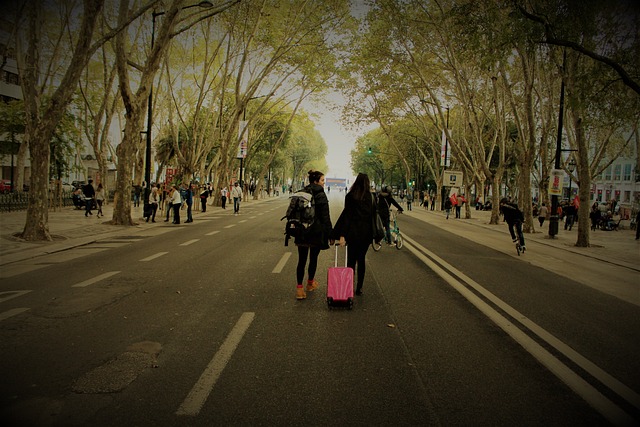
[385,200]
[514,217]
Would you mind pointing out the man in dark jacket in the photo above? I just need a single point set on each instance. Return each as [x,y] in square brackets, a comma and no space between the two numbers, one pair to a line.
[385,200]
[514,218]
[89,193]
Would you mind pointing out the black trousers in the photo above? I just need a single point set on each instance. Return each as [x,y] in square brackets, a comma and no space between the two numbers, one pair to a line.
[176,213]
[357,252]
[303,254]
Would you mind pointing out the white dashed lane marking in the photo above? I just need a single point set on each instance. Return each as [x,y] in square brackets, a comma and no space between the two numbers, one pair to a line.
[95,279]
[152,257]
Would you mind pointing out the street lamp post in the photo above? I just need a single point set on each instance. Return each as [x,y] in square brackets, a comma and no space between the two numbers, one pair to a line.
[244,118]
[553,218]
[446,151]
[147,157]
[571,167]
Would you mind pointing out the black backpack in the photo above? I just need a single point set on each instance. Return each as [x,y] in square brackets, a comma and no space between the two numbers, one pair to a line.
[300,215]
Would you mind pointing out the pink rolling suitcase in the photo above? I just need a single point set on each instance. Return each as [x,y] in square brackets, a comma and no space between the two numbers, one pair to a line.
[340,284]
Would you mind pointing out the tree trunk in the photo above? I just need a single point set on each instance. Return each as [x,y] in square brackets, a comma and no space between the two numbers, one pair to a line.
[19,167]
[495,198]
[584,186]
[126,152]
[37,224]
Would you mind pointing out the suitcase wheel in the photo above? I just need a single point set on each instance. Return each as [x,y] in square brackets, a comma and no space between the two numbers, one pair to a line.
[350,301]
[330,302]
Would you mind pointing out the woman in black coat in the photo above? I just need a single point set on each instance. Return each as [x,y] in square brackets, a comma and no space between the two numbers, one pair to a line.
[316,237]
[355,226]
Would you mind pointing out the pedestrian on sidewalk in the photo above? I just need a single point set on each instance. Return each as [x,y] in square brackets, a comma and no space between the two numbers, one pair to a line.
[176,203]
[167,201]
[137,191]
[460,200]
[447,206]
[188,200]
[542,214]
[638,225]
[154,200]
[100,200]
[89,193]
[355,225]
[236,194]
[409,199]
[204,193]
[223,197]
[316,238]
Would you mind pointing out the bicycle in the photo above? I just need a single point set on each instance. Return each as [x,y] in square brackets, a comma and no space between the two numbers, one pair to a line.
[519,237]
[396,236]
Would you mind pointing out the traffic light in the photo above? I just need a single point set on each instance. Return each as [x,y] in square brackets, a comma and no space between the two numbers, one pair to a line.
[369,150]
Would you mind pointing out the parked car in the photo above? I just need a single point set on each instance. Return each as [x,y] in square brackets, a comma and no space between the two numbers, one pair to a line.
[66,187]
[77,184]
[5,185]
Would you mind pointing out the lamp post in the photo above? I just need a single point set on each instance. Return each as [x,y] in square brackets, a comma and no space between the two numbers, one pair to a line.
[147,157]
[446,151]
[244,118]
[553,218]
[571,167]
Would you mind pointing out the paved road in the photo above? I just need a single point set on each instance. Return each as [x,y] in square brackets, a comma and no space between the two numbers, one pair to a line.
[137,325]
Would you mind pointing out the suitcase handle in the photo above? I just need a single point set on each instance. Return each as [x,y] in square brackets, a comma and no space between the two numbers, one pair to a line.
[345,255]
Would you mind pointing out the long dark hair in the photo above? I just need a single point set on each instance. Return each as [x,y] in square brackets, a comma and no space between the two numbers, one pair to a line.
[314,176]
[361,187]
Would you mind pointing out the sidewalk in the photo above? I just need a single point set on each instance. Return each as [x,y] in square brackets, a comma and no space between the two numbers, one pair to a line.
[615,247]
[70,228]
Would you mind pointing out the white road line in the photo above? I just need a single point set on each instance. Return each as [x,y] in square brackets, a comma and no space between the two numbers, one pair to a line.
[12,312]
[612,412]
[95,279]
[283,261]
[229,226]
[188,242]
[253,217]
[7,295]
[152,257]
[244,220]
[198,395]
[212,233]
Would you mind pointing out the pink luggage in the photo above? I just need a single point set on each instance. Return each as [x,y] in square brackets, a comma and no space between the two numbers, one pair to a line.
[340,284]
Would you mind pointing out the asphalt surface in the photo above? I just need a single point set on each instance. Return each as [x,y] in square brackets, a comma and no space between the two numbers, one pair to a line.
[611,264]
[429,354]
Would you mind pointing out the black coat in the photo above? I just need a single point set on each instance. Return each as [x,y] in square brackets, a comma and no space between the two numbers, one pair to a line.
[356,220]
[385,200]
[319,232]
[511,213]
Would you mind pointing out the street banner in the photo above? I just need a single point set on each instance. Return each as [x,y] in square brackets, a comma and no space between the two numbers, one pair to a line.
[444,151]
[555,182]
[243,135]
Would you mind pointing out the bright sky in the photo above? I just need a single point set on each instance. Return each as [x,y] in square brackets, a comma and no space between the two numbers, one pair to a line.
[340,141]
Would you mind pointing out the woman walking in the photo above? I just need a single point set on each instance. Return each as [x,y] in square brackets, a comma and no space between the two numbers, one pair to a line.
[355,226]
[100,199]
[316,238]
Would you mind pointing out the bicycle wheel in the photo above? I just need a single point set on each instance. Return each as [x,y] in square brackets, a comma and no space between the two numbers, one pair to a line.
[399,241]
[376,246]
[396,238]
[518,248]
